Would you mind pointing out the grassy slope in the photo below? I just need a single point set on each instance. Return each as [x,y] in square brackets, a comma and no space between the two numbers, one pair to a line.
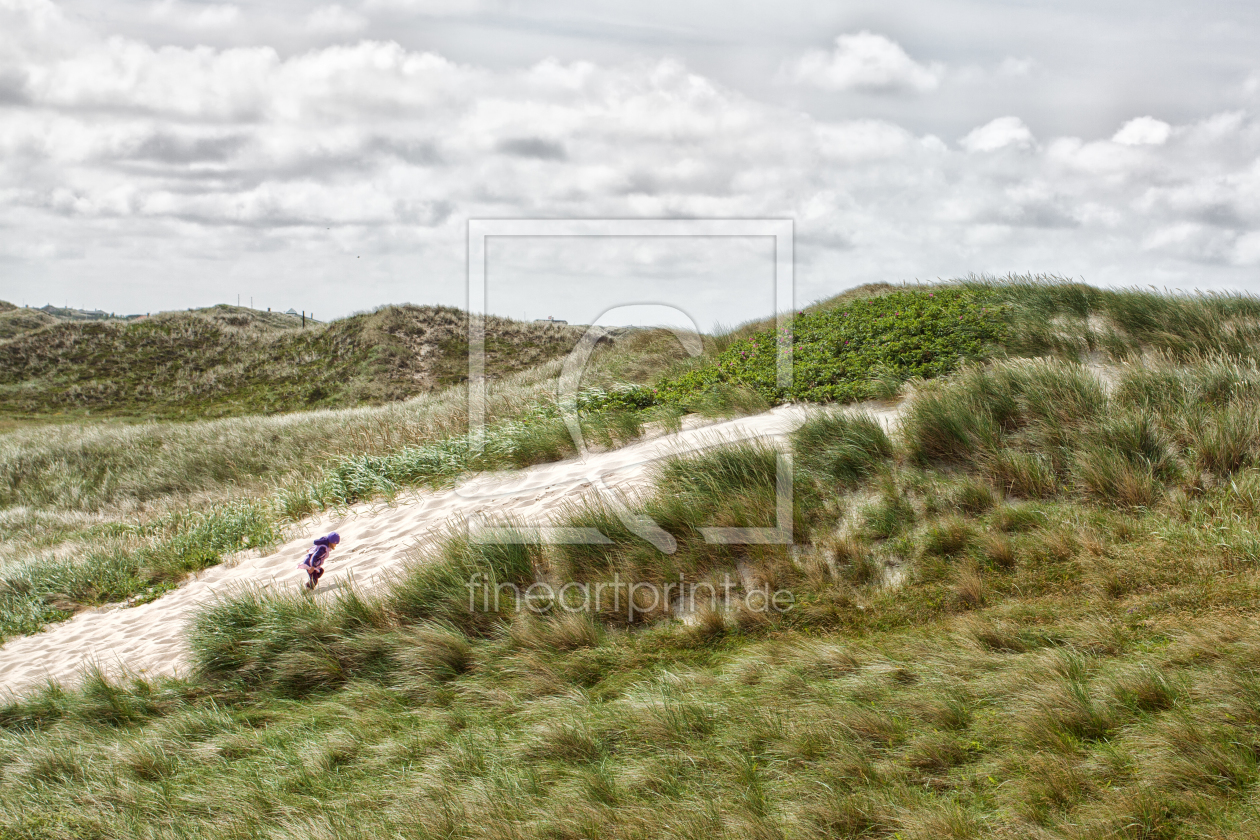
[1068,654]
[71,498]
[853,348]
[53,480]
[227,361]
[103,512]
[14,321]
[1057,662]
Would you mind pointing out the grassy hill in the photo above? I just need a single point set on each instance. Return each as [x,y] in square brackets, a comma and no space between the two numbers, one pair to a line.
[15,321]
[226,360]
[966,655]
[1028,612]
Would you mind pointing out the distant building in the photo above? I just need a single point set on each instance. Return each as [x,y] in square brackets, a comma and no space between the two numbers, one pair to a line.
[294,312]
[549,320]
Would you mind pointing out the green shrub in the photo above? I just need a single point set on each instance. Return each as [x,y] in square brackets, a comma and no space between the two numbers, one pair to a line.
[856,350]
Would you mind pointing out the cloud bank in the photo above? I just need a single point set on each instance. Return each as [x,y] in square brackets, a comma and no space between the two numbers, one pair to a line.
[343,175]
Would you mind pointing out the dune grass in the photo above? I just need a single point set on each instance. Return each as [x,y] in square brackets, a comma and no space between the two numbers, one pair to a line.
[228,361]
[87,508]
[110,511]
[964,658]
[1050,315]
[145,556]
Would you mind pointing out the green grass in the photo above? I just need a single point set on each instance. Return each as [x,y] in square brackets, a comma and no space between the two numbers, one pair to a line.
[67,491]
[129,561]
[228,361]
[962,660]
[1042,428]
[1053,316]
[851,349]
[15,322]
[1028,613]
[122,559]
[89,512]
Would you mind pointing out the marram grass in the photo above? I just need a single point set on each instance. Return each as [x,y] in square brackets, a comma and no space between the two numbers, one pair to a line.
[962,661]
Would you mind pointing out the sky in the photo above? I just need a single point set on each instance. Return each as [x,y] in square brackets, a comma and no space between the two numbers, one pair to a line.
[327,157]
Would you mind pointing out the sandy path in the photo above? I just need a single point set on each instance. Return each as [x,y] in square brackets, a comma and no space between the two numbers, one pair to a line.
[376,538]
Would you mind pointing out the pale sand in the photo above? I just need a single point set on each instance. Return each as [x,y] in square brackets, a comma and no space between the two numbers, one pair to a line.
[149,640]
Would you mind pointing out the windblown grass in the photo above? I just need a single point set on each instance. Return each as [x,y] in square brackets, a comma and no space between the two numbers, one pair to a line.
[227,361]
[1041,428]
[1053,316]
[99,514]
[959,662]
[1030,613]
[67,490]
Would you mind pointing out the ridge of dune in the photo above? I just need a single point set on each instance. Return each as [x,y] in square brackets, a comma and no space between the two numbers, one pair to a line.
[377,538]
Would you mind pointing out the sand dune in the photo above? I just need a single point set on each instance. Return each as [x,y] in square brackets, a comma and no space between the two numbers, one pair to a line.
[376,538]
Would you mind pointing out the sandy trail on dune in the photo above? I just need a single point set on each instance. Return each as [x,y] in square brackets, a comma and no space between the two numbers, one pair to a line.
[377,539]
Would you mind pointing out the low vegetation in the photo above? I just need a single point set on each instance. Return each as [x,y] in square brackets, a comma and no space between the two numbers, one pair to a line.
[105,512]
[89,509]
[69,559]
[854,349]
[970,652]
[15,321]
[1049,316]
[228,361]
[1027,612]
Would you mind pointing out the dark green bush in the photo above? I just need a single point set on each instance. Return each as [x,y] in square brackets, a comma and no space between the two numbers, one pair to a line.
[853,351]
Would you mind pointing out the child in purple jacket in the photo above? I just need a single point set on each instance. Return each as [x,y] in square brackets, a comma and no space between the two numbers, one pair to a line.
[313,565]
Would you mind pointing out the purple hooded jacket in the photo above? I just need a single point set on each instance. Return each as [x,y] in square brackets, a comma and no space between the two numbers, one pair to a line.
[315,557]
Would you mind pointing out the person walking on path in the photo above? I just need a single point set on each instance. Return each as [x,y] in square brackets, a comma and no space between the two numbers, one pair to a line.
[313,564]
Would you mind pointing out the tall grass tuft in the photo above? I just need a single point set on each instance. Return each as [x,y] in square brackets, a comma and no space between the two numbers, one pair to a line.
[464,583]
[841,447]
[1052,315]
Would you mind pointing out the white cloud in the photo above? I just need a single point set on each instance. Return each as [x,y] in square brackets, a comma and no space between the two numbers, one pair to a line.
[196,15]
[999,134]
[245,82]
[863,140]
[335,20]
[1247,249]
[1143,131]
[1193,242]
[1251,84]
[868,63]
[160,161]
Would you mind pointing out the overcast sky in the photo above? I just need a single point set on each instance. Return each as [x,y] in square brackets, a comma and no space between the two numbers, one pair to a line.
[327,157]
